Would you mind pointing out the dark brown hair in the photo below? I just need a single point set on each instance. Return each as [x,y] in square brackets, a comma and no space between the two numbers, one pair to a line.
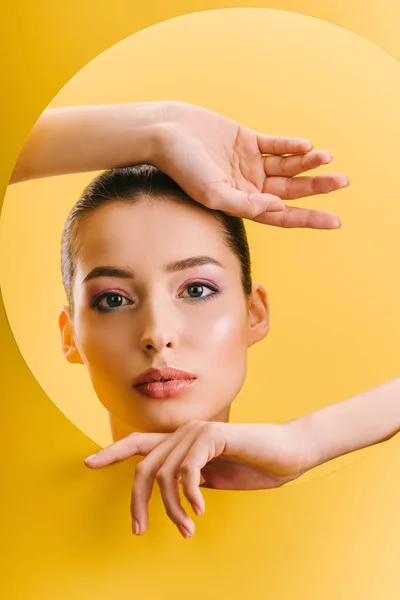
[128,184]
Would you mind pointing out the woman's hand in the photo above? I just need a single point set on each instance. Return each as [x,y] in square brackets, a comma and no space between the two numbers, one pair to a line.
[222,165]
[230,456]
[217,161]
[222,456]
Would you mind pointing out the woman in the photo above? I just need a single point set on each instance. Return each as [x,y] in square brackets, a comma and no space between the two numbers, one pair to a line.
[227,172]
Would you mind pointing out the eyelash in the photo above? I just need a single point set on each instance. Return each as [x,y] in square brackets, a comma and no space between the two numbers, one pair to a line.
[96,301]
[204,284]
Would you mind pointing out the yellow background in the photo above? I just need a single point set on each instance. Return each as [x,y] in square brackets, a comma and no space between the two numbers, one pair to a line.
[67,529]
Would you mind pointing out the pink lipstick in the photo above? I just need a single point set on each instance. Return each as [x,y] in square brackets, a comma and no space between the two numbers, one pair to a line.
[163,383]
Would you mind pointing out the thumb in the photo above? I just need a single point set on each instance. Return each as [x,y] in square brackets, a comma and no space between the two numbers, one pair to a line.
[134,444]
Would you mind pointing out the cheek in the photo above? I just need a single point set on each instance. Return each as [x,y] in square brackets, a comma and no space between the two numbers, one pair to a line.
[226,343]
[227,327]
[103,344]
[224,362]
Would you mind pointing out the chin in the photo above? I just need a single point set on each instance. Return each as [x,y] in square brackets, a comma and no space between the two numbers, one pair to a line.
[165,425]
[171,423]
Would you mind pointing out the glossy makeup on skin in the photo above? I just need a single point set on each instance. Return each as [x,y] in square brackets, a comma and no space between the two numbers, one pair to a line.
[156,288]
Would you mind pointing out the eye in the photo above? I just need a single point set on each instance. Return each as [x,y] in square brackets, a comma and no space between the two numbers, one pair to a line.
[199,291]
[110,301]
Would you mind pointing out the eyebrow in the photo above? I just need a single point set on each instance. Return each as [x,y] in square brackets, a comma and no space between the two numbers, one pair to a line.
[108,272]
[179,265]
[194,261]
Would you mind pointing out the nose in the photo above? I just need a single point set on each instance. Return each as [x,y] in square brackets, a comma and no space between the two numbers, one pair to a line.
[159,329]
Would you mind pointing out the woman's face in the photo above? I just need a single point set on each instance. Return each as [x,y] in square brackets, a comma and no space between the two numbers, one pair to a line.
[156,288]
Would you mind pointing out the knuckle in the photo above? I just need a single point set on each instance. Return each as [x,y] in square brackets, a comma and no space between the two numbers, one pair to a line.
[134,438]
[162,476]
[187,426]
[194,423]
[186,467]
[130,444]
[142,470]
[213,427]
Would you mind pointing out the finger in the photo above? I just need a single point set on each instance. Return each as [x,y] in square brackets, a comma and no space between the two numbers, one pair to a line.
[134,444]
[174,509]
[269,144]
[145,475]
[242,204]
[168,478]
[300,217]
[290,166]
[299,187]
[197,458]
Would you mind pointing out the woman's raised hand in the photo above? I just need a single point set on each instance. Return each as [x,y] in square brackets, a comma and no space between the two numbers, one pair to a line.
[228,167]
[215,160]
[199,454]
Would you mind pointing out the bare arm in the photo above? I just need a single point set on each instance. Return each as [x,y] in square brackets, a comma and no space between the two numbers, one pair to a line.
[215,160]
[363,420]
[89,138]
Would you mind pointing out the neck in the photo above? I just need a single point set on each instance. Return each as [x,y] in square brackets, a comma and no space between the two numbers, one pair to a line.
[121,429]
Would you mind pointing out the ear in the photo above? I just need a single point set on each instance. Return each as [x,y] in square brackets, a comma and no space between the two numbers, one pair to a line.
[258,315]
[69,348]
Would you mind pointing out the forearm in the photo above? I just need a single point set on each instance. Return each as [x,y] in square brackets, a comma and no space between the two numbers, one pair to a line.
[363,420]
[89,138]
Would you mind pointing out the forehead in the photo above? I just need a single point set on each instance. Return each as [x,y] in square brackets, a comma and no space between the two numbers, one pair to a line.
[150,234]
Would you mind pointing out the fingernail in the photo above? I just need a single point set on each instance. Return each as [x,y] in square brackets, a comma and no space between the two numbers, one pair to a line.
[196,509]
[90,458]
[135,527]
[336,223]
[186,534]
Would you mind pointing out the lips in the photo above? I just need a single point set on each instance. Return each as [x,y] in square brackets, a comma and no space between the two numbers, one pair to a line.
[163,383]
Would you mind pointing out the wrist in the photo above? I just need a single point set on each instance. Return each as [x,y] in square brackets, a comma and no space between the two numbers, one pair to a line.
[166,132]
[146,122]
